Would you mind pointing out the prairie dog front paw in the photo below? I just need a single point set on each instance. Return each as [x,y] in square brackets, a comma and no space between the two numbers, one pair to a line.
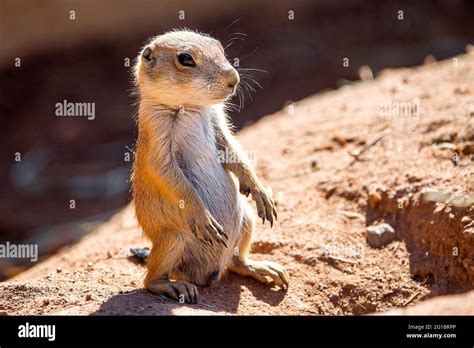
[204,226]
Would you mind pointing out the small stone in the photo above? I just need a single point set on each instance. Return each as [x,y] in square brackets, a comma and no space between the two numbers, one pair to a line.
[3,314]
[365,73]
[59,270]
[430,195]
[45,302]
[374,198]
[468,233]
[446,146]
[460,201]
[88,297]
[380,235]
[140,253]
[450,199]
[90,265]
[429,60]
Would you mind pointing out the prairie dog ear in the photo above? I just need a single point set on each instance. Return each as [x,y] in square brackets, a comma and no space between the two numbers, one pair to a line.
[148,56]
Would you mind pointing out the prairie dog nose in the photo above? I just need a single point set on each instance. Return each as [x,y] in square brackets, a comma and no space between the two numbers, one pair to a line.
[232,77]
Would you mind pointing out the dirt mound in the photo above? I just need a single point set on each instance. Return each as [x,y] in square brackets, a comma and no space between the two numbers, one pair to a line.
[438,229]
[337,162]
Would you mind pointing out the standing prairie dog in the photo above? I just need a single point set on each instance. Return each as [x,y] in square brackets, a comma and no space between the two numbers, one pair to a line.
[186,199]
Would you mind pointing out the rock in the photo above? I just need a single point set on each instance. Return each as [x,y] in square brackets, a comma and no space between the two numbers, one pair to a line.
[365,73]
[88,297]
[374,199]
[140,253]
[380,235]
[445,146]
[434,196]
[429,60]
[3,314]
[451,199]
[460,201]
[352,215]
[468,232]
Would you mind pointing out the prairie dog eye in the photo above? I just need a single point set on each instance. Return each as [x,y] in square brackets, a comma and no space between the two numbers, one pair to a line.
[185,59]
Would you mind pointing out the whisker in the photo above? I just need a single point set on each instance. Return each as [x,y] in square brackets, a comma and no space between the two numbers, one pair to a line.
[243,34]
[231,24]
[232,39]
[228,45]
[241,97]
[246,85]
[249,54]
[249,86]
[252,80]
[238,96]
[230,106]
[253,69]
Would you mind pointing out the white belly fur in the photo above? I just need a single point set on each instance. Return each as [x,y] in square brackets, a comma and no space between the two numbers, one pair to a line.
[194,145]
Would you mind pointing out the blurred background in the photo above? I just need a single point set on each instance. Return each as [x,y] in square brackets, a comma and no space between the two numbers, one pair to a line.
[50,54]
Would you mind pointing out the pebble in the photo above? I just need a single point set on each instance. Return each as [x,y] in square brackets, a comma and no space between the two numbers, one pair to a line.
[434,196]
[140,253]
[374,198]
[450,199]
[380,235]
[468,232]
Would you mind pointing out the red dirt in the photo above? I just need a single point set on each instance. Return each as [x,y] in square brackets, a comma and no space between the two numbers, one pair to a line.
[303,154]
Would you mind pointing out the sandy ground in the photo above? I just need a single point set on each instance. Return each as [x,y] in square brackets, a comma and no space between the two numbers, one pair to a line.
[303,153]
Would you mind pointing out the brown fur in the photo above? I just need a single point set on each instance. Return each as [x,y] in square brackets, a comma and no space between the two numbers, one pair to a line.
[186,200]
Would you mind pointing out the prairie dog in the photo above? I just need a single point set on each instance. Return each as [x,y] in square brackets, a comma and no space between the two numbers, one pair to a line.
[186,200]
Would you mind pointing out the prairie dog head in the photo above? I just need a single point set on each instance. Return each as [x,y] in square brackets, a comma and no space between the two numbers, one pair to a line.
[183,68]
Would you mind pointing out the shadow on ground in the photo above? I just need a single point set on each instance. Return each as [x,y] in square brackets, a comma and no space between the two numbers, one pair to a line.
[222,298]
